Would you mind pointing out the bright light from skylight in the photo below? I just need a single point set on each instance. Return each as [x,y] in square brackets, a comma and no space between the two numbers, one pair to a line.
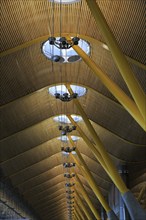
[61,89]
[66,55]
[64,1]
[64,138]
[64,119]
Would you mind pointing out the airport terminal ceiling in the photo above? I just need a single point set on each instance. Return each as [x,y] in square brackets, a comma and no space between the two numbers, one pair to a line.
[31,153]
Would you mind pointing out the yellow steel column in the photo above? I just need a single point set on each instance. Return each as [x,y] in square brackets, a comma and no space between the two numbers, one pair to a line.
[119,58]
[76,218]
[118,93]
[90,145]
[90,204]
[91,182]
[77,214]
[111,167]
[83,206]
[90,179]
[79,211]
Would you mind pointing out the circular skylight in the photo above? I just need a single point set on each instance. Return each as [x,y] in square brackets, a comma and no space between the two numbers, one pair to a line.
[61,89]
[64,138]
[64,1]
[64,55]
[65,120]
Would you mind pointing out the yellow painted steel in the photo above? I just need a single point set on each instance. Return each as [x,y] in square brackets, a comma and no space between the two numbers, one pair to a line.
[79,211]
[100,147]
[86,197]
[79,200]
[78,217]
[90,178]
[119,58]
[90,145]
[91,181]
[117,92]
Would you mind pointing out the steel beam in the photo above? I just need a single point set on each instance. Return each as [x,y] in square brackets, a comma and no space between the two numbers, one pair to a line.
[116,91]
[119,58]
[43,38]
[79,200]
[43,191]
[85,194]
[79,211]
[90,179]
[100,147]
[36,176]
[91,182]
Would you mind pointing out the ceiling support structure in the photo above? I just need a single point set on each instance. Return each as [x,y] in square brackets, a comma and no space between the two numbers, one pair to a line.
[54,215]
[111,167]
[63,205]
[43,191]
[119,58]
[43,38]
[33,177]
[86,197]
[78,198]
[77,214]
[93,185]
[79,211]
[116,91]
[90,178]
[76,218]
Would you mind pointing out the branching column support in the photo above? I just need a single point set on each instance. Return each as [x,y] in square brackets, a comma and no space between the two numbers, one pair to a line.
[108,164]
[116,91]
[119,58]
[77,215]
[86,172]
[83,206]
[79,211]
[90,204]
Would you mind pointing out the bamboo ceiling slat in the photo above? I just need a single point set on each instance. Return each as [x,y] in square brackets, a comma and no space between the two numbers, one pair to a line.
[29,151]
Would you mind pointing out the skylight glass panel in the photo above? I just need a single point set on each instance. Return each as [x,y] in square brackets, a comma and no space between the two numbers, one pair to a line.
[66,55]
[61,89]
[64,119]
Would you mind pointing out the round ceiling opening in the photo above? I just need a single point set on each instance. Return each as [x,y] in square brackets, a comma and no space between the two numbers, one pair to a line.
[64,1]
[65,120]
[69,55]
[64,138]
[62,90]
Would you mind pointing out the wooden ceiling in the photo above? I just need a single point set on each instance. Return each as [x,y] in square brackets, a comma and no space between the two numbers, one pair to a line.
[30,153]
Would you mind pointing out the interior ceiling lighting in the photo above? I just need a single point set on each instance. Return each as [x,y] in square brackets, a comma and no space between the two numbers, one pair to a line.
[64,138]
[66,129]
[68,165]
[62,93]
[68,149]
[58,50]
[64,1]
[65,120]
